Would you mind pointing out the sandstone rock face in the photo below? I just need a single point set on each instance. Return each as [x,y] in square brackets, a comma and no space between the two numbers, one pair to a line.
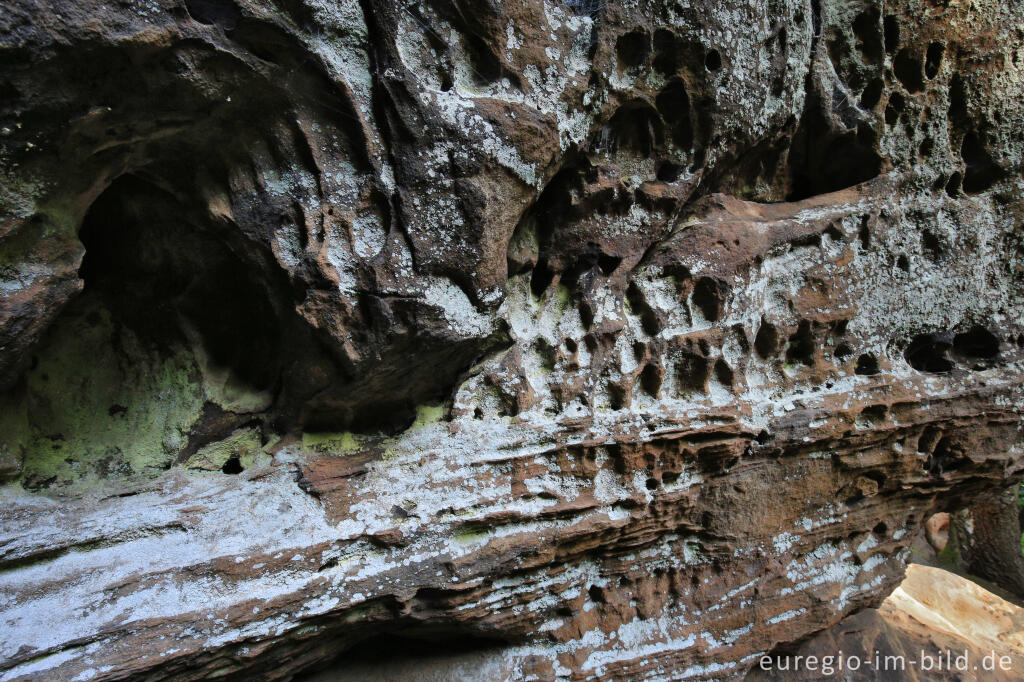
[628,339]
[931,614]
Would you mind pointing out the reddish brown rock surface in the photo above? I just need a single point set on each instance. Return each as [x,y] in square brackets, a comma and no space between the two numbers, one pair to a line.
[934,626]
[599,339]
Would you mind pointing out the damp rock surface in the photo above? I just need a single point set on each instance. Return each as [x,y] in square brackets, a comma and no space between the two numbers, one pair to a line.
[580,339]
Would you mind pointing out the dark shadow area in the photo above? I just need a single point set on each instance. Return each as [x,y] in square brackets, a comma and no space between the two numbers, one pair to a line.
[867,365]
[891,33]
[823,159]
[801,345]
[166,278]
[933,59]
[692,373]
[674,105]
[977,348]
[709,295]
[981,170]
[632,49]
[867,29]
[909,70]
[214,12]
[930,352]
[443,654]
[637,128]
[766,343]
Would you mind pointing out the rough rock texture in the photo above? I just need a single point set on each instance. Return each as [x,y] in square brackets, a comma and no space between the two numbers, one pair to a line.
[636,339]
[984,541]
[931,613]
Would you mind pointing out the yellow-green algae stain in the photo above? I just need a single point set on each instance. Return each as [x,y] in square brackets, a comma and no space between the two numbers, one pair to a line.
[426,415]
[99,403]
[343,443]
[471,535]
[243,445]
[331,443]
[223,387]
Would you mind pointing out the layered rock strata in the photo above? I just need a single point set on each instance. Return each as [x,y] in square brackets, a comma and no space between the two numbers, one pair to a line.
[932,616]
[619,339]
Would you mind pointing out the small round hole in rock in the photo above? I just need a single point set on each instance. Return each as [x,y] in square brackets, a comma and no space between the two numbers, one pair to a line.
[953,185]
[713,60]
[976,342]
[891,32]
[894,108]
[669,172]
[927,147]
[867,365]
[632,49]
[872,94]
[666,59]
[674,106]
[709,296]
[766,343]
[932,245]
[928,352]
[232,466]
[933,60]
[909,71]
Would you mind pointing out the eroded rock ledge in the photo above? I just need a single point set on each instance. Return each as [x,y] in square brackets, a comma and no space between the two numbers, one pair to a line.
[625,339]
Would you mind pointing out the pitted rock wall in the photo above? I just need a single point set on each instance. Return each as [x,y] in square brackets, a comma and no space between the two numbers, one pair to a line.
[625,339]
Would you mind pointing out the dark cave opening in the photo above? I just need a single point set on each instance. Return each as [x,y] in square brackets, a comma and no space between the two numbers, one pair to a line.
[976,342]
[713,60]
[692,373]
[801,345]
[869,38]
[632,49]
[872,93]
[486,67]
[674,105]
[667,59]
[891,32]
[175,339]
[933,59]
[909,69]
[981,169]
[170,280]
[213,12]
[669,172]
[867,365]
[232,466]
[823,159]
[930,352]
[709,296]
[766,342]
[636,128]
[391,655]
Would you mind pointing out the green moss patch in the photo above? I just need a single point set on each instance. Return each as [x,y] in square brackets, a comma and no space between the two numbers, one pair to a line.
[243,445]
[331,443]
[99,403]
